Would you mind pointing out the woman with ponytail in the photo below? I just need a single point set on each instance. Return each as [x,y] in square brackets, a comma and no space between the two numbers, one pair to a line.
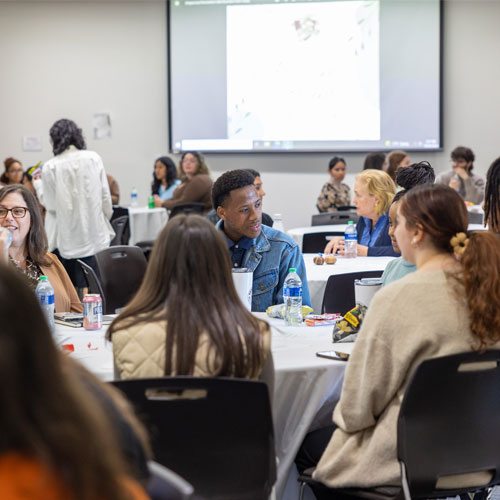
[451,304]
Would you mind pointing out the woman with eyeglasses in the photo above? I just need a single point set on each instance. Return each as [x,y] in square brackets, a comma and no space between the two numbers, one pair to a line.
[20,214]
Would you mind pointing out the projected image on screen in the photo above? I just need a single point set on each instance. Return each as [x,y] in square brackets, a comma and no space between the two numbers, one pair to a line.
[316,62]
[304,75]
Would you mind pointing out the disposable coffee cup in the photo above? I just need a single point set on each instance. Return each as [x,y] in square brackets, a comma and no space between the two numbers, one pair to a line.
[365,289]
[243,282]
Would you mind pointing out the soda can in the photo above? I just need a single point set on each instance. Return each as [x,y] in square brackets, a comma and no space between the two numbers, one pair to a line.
[92,311]
[151,202]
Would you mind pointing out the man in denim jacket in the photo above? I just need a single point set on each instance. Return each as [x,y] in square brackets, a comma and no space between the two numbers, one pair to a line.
[268,253]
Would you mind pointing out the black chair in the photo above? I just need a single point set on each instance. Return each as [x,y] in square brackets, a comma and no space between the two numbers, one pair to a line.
[118,211]
[188,208]
[338,217]
[448,425]
[93,283]
[217,433]
[121,269]
[165,484]
[146,247]
[316,242]
[339,291]
[121,227]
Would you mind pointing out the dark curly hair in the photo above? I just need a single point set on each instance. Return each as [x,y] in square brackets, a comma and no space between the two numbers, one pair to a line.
[227,182]
[492,197]
[253,172]
[65,133]
[463,153]
[171,174]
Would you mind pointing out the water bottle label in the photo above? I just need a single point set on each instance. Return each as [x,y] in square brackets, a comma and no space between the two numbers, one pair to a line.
[292,291]
[351,237]
[46,300]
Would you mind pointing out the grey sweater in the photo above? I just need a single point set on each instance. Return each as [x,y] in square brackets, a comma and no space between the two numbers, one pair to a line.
[418,317]
[471,189]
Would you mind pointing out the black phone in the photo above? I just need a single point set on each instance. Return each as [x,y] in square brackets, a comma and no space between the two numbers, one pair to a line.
[337,355]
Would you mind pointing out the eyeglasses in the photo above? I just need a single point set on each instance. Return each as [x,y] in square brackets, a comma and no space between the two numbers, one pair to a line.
[17,212]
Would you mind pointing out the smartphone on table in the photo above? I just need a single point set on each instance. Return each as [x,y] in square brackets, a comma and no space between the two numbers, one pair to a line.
[337,355]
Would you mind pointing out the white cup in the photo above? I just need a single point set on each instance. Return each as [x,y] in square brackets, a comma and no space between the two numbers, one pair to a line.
[365,289]
[243,282]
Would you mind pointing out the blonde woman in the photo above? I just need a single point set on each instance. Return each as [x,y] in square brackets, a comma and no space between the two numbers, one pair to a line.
[373,194]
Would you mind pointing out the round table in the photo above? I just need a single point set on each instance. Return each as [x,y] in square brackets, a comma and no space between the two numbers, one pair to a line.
[306,387]
[146,223]
[317,276]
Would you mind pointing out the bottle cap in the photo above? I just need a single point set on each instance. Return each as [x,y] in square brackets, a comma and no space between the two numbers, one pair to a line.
[292,270]
[43,278]
[351,222]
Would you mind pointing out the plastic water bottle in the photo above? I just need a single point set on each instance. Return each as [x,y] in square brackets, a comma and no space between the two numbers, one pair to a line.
[351,240]
[278,223]
[134,198]
[292,293]
[45,295]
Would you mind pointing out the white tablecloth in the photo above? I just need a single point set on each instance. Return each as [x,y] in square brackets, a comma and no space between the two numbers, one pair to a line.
[146,223]
[298,232]
[317,276]
[305,392]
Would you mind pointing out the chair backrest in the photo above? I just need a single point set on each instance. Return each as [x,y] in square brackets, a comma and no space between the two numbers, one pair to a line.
[475,218]
[316,242]
[93,283]
[118,211]
[121,228]
[339,291]
[338,217]
[122,269]
[449,421]
[217,433]
[188,208]
[165,484]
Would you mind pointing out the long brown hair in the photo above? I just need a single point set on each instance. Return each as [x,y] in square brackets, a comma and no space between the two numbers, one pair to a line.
[36,239]
[188,283]
[47,413]
[441,213]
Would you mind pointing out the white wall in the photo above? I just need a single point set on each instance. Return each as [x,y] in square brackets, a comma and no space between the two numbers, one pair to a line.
[71,59]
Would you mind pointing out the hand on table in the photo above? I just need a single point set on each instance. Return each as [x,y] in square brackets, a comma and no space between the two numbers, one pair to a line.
[333,245]
[337,245]
[158,201]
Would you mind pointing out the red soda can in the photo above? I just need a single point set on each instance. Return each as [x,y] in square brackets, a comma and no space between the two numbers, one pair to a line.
[92,311]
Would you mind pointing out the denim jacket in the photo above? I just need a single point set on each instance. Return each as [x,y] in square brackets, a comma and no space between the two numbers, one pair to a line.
[270,257]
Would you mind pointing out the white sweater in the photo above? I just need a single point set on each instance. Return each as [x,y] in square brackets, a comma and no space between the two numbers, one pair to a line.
[418,317]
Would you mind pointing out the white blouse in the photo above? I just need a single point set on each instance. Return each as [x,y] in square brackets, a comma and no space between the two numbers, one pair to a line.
[75,192]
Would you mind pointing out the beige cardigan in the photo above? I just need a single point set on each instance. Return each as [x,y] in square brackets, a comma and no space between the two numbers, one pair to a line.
[410,320]
[139,352]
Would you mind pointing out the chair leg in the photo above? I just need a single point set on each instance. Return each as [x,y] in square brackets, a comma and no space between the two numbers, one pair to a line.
[301,492]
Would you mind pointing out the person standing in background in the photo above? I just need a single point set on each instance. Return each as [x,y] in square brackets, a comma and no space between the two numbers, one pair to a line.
[468,185]
[74,190]
[114,189]
[334,193]
[165,179]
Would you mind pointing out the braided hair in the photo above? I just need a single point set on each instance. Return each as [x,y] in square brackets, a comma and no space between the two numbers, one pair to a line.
[492,196]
